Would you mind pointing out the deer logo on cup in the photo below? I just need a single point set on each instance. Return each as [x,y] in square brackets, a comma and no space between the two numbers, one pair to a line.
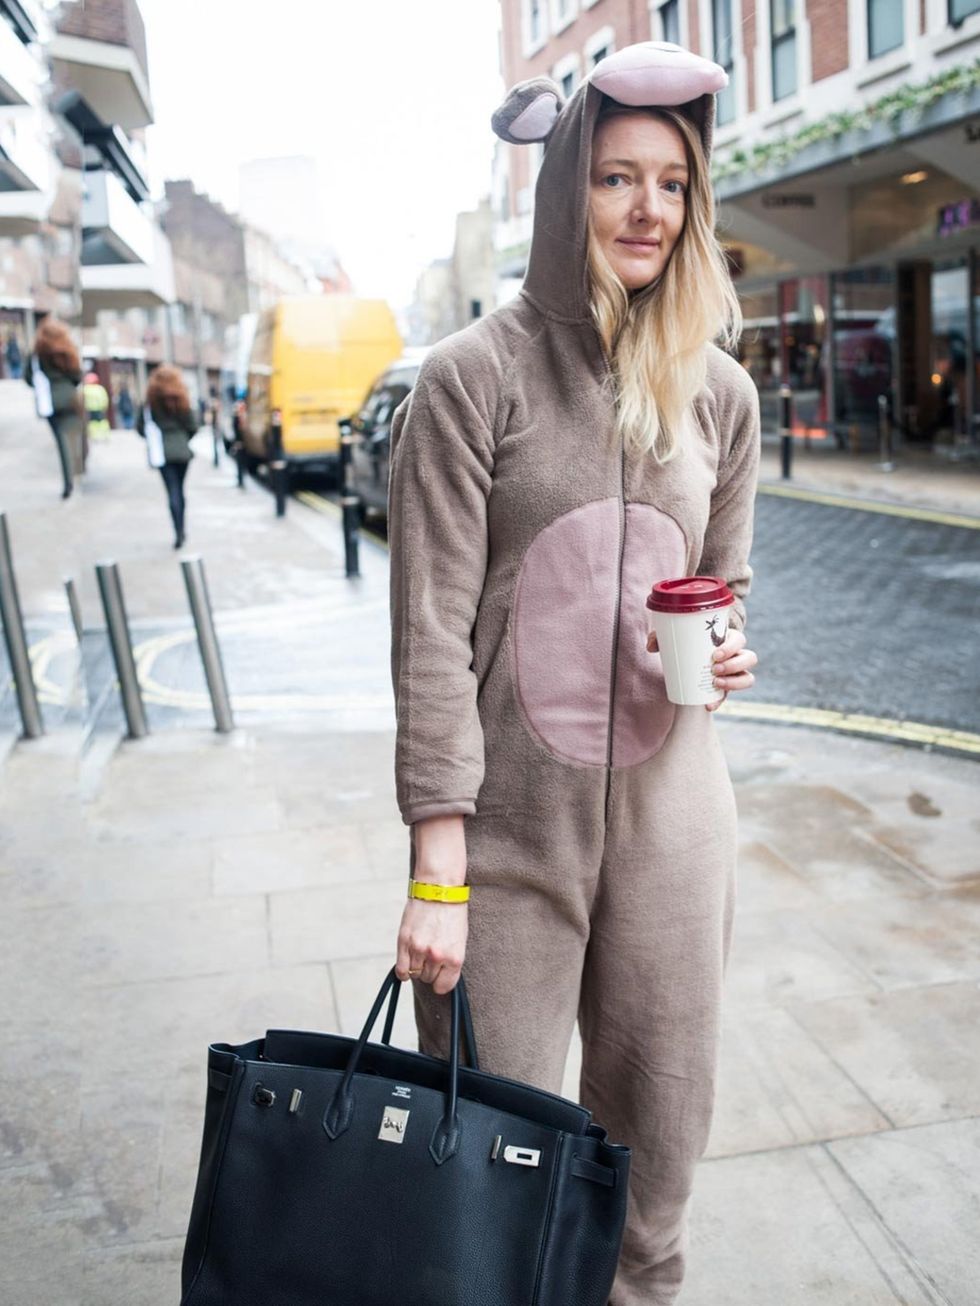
[717,637]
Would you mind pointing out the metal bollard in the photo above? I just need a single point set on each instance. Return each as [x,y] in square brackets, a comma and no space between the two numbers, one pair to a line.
[207,642]
[16,640]
[350,504]
[74,607]
[110,589]
[885,435]
[238,453]
[280,484]
[216,437]
[786,430]
[278,468]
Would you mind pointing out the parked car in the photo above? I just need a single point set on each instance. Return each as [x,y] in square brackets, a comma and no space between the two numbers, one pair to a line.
[371,428]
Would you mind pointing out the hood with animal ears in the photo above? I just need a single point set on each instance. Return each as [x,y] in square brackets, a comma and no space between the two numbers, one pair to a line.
[653,73]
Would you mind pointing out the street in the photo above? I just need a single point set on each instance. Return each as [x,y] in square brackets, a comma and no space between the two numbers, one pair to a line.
[865,612]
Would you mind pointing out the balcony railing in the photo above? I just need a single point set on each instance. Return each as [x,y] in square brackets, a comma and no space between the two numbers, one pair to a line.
[114,227]
[122,286]
[21,74]
[26,159]
[99,50]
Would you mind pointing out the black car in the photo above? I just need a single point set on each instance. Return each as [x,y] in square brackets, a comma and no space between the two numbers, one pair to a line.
[371,428]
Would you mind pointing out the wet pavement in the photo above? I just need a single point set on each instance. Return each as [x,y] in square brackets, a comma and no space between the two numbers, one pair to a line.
[162,893]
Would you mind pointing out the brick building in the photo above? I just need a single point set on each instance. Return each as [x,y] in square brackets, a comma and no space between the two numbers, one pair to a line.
[847,169]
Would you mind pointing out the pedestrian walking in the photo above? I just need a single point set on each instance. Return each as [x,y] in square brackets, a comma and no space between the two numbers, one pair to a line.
[54,370]
[125,407]
[96,399]
[167,424]
[15,359]
[554,460]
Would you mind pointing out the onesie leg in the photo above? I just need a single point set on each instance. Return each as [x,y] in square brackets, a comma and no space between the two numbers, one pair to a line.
[651,989]
[523,970]
[534,877]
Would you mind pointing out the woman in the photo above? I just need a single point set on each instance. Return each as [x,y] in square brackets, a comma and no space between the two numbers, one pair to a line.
[554,461]
[168,406]
[54,371]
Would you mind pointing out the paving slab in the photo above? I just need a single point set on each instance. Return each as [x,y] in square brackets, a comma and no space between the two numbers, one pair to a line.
[832,1249]
[924,1186]
[779,1087]
[913,1051]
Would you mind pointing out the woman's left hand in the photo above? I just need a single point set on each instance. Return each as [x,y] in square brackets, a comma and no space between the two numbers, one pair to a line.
[733,664]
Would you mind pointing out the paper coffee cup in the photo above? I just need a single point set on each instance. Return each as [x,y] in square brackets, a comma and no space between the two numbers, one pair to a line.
[690,617]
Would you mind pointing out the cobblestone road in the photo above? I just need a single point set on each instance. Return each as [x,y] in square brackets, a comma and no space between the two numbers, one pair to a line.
[857,611]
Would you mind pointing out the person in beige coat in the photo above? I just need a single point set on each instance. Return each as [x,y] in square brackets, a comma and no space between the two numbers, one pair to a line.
[554,460]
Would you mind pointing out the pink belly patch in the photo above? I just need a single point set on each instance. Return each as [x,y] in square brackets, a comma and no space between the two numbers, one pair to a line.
[563,629]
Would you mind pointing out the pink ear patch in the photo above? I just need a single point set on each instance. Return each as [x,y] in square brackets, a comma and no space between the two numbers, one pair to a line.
[657,72]
[536,121]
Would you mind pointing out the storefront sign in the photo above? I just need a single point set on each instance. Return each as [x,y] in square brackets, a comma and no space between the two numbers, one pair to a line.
[958,217]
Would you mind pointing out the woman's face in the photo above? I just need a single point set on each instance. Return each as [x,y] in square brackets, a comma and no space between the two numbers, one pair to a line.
[638,194]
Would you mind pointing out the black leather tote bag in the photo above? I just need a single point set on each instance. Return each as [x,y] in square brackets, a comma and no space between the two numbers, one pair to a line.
[338,1172]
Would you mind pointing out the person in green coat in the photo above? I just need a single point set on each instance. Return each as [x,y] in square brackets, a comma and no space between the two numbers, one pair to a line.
[54,371]
[167,423]
[96,407]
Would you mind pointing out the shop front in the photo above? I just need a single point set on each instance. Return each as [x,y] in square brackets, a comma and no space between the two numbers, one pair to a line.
[860,287]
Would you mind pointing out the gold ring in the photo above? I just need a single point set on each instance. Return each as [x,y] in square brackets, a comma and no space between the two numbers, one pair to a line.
[416,972]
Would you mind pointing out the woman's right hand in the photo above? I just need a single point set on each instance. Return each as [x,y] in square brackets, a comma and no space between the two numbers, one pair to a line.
[432,935]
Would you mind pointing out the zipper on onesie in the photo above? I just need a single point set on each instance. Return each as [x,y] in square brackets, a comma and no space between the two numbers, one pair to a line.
[619,585]
[617,618]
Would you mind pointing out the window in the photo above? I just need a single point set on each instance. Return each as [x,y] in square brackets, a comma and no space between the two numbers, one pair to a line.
[599,45]
[670,21]
[562,13]
[960,9]
[721,15]
[782,15]
[566,74]
[535,21]
[886,26]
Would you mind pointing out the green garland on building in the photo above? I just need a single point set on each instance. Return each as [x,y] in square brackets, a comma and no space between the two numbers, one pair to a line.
[904,99]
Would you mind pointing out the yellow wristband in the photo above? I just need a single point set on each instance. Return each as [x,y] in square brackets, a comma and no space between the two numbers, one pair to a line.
[439,892]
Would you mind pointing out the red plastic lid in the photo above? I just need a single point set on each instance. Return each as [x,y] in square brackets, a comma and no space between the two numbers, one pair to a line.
[689,594]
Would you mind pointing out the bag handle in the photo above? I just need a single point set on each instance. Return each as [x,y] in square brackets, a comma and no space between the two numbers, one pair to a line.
[445,1139]
[469,1036]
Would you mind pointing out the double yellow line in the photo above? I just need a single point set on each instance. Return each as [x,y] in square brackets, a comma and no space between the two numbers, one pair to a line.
[855,723]
[832,500]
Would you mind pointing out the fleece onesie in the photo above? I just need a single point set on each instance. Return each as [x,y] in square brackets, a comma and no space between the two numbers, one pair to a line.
[600,821]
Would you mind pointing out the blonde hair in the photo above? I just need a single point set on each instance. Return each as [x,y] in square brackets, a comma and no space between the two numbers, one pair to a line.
[655,337]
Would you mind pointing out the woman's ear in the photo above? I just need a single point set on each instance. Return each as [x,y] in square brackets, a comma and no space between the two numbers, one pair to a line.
[529,112]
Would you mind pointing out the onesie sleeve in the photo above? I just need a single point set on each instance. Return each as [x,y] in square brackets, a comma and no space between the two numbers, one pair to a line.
[728,538]
[441,472]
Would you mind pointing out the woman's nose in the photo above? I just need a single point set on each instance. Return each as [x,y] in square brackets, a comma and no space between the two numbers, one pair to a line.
[647,203]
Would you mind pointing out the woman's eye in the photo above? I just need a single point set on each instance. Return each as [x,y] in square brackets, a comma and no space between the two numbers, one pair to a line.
[682,188]
[612,178]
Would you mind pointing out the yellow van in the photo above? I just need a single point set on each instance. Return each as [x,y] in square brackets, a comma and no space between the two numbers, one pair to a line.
[312,360]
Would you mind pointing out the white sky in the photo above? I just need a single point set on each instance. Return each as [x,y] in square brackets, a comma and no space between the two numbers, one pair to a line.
[392,98]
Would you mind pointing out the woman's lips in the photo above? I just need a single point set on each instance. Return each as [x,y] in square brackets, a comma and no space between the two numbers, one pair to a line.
[639,246]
